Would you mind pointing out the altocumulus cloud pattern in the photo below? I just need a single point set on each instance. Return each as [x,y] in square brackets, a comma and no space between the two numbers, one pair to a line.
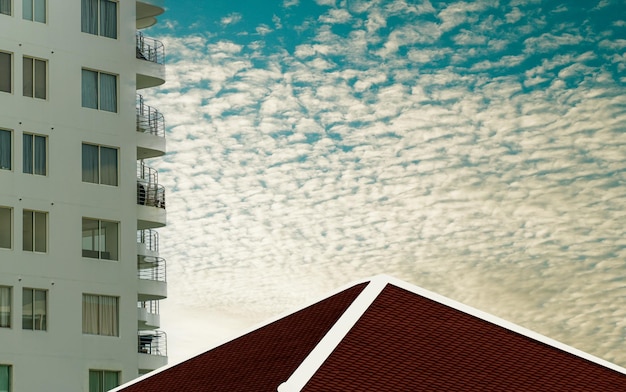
[477,149]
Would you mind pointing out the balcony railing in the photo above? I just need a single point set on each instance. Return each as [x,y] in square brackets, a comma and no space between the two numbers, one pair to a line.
[149,238]
[152,268]
[151,307]
[149,120]
[150,194]
[147,174]
[152,343]
[150,49]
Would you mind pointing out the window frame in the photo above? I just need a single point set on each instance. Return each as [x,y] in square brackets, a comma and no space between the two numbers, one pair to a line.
[33,11]
[101,374]
[98,29]
[99,240]
[10,73]
[10,226]
[8,302]
[10,150]
[43,323]
[98,98]
[33,93]
[35,233]
[99,163]
[9,368]
[34,153]
[100,326]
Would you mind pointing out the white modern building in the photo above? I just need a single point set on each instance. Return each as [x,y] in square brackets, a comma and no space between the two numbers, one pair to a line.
[80,274]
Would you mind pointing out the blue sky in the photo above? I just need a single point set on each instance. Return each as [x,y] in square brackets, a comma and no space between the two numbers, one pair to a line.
[476,149]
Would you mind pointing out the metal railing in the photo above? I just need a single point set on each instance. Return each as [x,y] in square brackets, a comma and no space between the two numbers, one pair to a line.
[151,307]
[149,238]
[149,49]
[150,194]
[151,268]
[147,174]
[152,343]
[149,120]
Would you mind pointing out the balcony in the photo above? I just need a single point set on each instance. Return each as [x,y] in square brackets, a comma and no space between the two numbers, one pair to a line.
[150,55]
[147,11]
[147,243]
[150,199]
[148,315]
[152,278]
[152,349]
[150,131]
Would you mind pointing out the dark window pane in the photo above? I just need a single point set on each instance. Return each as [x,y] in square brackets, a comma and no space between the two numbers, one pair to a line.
[5,72]
[27,74]
[90,163]
[90,89]
[27,156]
[40,79]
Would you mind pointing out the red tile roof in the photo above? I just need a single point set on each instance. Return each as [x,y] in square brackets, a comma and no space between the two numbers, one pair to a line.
[381,337]
[257,361]
[405,342]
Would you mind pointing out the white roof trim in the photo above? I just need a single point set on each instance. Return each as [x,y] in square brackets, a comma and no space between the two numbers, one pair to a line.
[333,337]
[318,356]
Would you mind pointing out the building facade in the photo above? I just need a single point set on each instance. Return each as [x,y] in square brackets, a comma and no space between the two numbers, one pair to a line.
[80,274]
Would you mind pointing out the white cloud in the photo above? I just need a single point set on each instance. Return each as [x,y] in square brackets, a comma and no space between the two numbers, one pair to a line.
[330,3]
[290,3]
[514,16]
[231,19]
[263,29]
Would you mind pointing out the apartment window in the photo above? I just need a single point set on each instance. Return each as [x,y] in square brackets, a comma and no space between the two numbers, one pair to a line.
[34,10]
[35,78]
[99,164]
[100,315]
[5,149]
[34,309]
[5,69]
[100,239]
[99,90]
[5,227]
[35,231]
[99,17]
[103,380]
[34,154]
[5,310]
[5,8]
[5,378]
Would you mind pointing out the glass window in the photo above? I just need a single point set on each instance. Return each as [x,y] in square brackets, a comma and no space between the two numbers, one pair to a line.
[99,164]
[100,315]
[35,78]
[34,10]
[5,8]
[100,239]
[6,228]
[103,380]
[99,90]
[5,70]
[5,149]
[34,154]
[5,378]
[99,17]
[34,309]
[35,231]
[5,309]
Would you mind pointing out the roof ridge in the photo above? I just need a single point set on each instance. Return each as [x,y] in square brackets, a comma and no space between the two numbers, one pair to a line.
[335,335]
